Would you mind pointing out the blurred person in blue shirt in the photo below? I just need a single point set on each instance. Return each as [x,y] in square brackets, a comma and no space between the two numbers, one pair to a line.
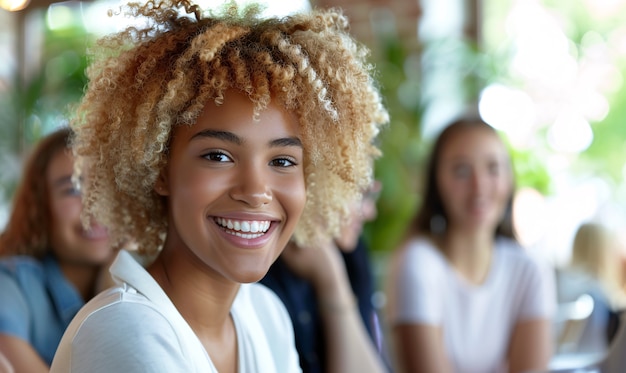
[50,262]
[328,293]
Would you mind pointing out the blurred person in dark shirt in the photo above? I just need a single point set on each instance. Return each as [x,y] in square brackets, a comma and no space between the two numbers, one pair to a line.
[328,294]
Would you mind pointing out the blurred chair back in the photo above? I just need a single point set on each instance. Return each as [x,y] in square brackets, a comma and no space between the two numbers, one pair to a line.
[572,319]
[612,361]
[615,359]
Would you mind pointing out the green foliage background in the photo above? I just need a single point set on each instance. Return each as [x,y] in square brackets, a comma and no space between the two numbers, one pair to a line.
[34,107]
[405,150]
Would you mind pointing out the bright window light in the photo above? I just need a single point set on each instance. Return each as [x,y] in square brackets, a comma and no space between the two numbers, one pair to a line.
[97,21]
[509,110]
[571,133]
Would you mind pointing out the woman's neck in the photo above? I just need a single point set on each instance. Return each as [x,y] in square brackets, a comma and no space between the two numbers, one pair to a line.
[469,253]
[204,300]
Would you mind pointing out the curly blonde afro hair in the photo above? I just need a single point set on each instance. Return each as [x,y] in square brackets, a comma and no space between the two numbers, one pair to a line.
[146,80]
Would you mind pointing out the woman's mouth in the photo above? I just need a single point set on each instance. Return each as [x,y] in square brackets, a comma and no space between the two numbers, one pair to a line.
[248,229]
[95,232]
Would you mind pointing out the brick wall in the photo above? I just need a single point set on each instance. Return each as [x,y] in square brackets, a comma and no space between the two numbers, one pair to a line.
[404,14]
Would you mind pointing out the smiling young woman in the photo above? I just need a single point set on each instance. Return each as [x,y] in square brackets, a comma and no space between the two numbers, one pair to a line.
[213,140]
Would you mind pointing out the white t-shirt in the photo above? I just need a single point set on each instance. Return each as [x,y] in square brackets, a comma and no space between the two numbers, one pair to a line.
[134,327]
[477,321]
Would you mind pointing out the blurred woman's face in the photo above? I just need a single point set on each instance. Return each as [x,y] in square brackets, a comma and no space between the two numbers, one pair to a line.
[70,242]
[475,179]
[361,213]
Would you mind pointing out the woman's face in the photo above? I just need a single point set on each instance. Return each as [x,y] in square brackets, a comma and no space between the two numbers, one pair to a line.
[71,243]
[361,213]
[475,179]
[235,187]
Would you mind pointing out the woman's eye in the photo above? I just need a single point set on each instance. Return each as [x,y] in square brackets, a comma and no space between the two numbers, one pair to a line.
[71,191]
[217,157]
[462,171]
[283,162]
[494,169]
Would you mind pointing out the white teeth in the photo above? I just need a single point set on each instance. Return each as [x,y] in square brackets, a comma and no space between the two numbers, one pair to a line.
[244,226]
[248,236]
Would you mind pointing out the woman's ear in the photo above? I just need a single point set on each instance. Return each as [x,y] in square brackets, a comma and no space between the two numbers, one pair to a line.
[161,187]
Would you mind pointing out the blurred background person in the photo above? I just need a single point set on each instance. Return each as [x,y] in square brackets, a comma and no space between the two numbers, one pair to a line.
[596,256]
[49,263]
[594,273]
[328,293]
[463,295]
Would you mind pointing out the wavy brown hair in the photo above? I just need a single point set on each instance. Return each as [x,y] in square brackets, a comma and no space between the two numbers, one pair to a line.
[28,228]
[145,81]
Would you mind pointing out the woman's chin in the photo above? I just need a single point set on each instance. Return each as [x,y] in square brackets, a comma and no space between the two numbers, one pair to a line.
[246,276]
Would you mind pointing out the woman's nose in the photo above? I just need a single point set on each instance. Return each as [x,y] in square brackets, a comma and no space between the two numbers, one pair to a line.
[475,181]
[252,187]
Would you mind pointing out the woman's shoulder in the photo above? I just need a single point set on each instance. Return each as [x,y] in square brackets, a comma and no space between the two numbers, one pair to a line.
[121,312]
[514,258]
[419,248]
[123,324]
[22,271]
[512,251]
[124,303]
[506,243]
[22,264]
[418,260]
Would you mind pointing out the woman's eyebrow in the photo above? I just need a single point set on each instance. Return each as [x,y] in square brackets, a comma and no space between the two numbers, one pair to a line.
[286,141]
[63,180]
[231,137]
[220,135]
